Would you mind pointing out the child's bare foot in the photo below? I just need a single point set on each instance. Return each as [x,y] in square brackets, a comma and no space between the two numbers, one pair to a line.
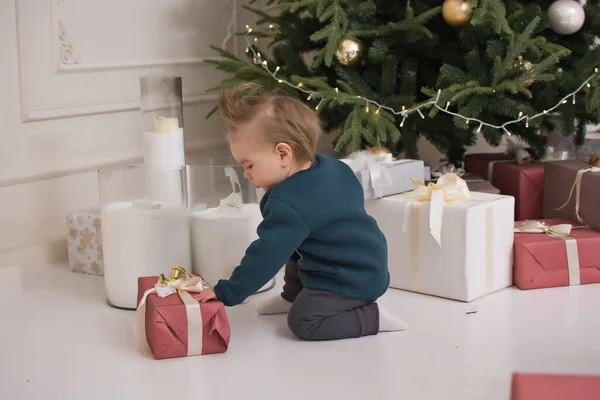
[274,305]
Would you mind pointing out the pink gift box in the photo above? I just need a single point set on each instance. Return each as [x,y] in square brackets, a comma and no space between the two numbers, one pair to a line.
[555,387]
[541,261]
[166,326]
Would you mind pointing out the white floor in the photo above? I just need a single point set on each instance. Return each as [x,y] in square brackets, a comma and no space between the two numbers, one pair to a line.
[61,341]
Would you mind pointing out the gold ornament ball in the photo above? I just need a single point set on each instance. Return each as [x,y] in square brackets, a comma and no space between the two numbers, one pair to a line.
[349,51]
[379,150]
[457,12]
[526,65]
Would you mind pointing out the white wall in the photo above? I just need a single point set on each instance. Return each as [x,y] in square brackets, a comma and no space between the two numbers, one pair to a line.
[69,98]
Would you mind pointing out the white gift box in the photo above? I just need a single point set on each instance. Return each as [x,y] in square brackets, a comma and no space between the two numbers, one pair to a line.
[384,178]
[84,241]
[475,253]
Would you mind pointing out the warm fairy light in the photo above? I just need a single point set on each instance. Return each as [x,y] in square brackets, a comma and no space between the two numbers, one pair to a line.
[404,112]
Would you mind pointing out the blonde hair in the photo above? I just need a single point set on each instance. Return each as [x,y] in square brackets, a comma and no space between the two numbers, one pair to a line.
[283,118]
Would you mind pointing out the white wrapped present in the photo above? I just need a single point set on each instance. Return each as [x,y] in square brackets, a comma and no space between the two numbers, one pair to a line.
[383,176]
[446,241]
[84,241]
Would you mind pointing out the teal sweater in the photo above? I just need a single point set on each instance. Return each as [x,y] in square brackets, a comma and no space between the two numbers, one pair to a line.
[318,212]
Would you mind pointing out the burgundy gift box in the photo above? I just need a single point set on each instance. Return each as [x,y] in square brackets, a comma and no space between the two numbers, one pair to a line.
[166,325]
[527,386]
[559,177]
[481,163]
[478,184]
[525,182]
[475,183]
[540,261]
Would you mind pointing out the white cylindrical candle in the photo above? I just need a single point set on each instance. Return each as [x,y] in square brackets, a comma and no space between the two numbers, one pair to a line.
[165,125]
[164,152]
[219,241]
[142,239]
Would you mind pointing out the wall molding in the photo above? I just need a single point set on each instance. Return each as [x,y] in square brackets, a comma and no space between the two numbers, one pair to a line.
[212,143]
[67,60]
[65,48]
[80,110]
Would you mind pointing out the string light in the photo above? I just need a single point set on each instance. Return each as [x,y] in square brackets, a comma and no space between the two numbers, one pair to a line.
[405,112]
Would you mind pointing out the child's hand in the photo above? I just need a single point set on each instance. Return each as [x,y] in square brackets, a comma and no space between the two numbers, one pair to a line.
[206,295]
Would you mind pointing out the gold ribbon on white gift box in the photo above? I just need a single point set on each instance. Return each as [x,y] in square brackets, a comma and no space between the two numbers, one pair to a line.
[560,231]
[448,188]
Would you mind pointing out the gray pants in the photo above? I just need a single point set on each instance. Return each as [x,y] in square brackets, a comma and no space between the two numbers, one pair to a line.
[322,315]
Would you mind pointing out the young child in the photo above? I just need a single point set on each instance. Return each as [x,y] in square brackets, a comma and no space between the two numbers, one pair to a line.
[314,222]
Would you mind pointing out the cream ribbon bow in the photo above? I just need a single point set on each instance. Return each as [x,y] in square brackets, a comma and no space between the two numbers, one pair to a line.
[447,169]
[560,231]
[181,283]
[364,159]
[541,227]
[448,188]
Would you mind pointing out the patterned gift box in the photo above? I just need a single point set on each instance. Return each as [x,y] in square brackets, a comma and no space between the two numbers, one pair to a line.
[84,241]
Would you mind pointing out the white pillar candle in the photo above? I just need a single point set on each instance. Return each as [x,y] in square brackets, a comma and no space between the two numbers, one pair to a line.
[142,239]
[163,154]
[220,240]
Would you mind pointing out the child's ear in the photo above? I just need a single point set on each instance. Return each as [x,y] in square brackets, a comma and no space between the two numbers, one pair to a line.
[284,154]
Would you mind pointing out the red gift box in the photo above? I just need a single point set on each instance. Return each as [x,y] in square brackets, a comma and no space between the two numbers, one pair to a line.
[542,261]
[483,163]
[525,182]
[166,324]
[554,387]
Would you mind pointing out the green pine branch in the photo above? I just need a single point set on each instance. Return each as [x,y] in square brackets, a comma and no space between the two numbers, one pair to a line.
[332,33]
[492,13]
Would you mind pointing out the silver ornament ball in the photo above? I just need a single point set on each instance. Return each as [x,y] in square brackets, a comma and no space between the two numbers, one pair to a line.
[566,16]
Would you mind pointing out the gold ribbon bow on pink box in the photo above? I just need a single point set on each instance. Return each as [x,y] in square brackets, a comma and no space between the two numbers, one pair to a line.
[181,283]
[560,231]
[448,188]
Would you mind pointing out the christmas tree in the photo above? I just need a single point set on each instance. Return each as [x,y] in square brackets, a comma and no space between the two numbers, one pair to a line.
[384,72]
